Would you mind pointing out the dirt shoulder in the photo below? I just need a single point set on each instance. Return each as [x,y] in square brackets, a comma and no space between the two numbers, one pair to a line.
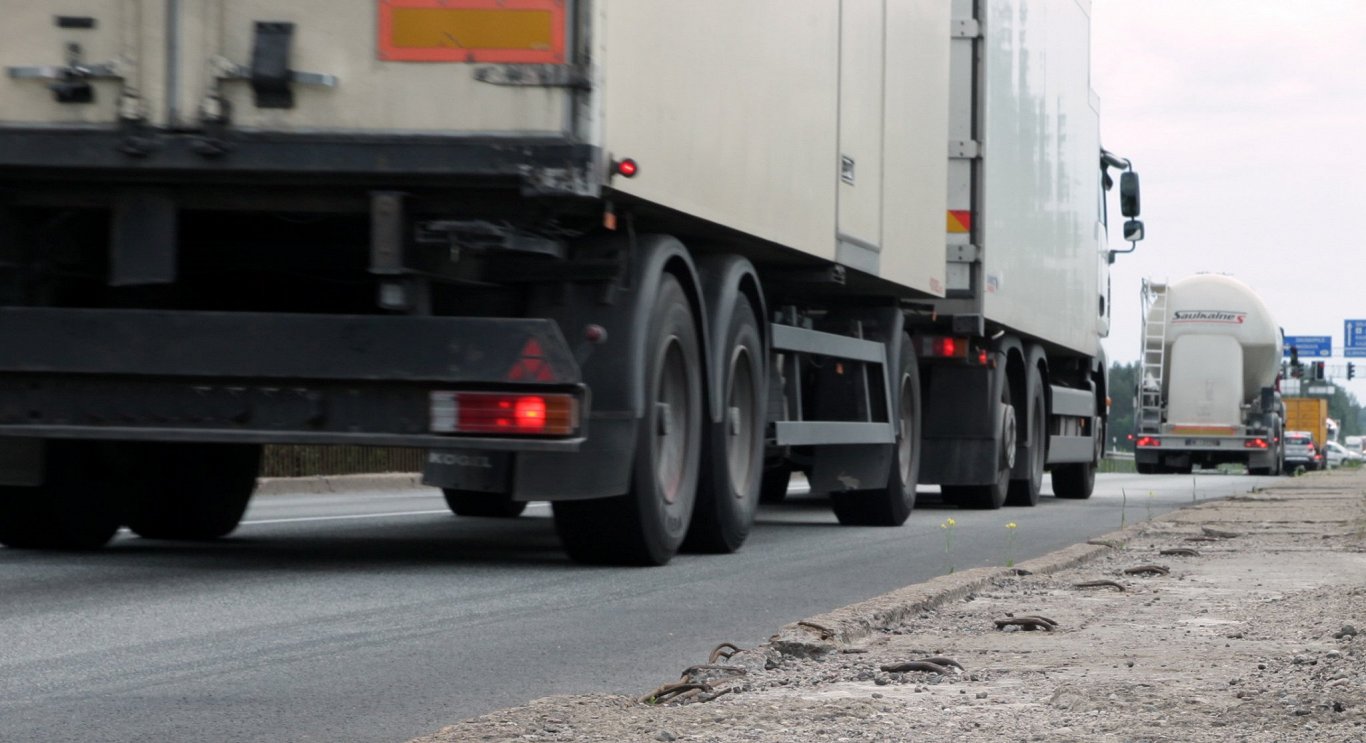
[1253,637]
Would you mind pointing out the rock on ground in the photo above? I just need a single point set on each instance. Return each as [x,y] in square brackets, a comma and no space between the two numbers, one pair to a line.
[1252,639]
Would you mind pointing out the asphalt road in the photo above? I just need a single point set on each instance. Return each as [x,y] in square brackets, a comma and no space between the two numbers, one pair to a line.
[378,616]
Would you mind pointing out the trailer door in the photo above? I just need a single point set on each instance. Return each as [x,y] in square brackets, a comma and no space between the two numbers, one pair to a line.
[860,134]
[80,62]
[376,66]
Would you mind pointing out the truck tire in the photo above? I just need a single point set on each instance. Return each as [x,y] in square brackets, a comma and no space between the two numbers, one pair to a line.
[773,485]
[74,509]
[892,505]
[1078,480]
[189,491]
[990,496]
[484,505]
[647,525]
[733,449]
[1025,491]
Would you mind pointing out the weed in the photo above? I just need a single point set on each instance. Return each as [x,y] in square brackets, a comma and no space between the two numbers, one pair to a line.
[948,527]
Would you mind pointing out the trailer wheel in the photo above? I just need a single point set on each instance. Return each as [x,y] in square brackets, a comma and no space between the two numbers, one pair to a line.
[1078,480]
[74,509]
[733,449]
[892,505]
[479,504]
[188,491]
[774,482]
[991,496]
[1025,491]
[646,526]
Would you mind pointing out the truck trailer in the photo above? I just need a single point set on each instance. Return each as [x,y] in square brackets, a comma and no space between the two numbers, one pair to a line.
[640,259]
[1209,379]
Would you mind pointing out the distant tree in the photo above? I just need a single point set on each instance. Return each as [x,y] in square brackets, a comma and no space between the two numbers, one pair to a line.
[1123,385]
[1343,408]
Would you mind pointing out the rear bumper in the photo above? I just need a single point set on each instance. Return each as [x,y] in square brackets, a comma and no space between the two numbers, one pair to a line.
[266,377]
[535,165]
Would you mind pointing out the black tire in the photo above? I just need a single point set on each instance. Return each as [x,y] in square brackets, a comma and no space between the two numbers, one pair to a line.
[1143,468]
[1031,455]
[1260,471]
[1077,481]
[773,486]
[992,496]
[188,491]
[483,505]
[647,526]
[733,449]
[74,509]
[892,505]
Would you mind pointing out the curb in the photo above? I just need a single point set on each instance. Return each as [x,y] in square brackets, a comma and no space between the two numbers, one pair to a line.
[826,633]
[321,484]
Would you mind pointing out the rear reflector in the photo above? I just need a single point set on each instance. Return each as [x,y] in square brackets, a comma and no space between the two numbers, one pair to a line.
[504,414]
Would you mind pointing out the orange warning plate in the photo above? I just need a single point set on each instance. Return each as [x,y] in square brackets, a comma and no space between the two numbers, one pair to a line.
[494,31]
[960,221]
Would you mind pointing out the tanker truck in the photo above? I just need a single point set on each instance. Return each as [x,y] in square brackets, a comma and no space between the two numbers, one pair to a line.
[1208,390]
[641,259]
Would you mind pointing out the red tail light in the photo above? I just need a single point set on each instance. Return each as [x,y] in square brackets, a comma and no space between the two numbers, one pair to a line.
[948,347]
[1255,444]
[504,414]
[1148,441]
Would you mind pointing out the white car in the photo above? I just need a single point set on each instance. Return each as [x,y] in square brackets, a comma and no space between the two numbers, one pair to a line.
[1336,454]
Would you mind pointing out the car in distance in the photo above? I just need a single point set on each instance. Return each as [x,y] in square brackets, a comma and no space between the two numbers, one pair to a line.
[1300,451]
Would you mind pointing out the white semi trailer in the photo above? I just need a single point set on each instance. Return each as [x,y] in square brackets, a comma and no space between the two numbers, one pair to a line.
[639,258]
[1208,390]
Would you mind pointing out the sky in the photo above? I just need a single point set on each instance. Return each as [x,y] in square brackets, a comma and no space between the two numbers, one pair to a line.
[1246,121]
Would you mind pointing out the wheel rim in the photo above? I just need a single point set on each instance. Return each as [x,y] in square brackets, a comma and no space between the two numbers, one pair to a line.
[741,420]
[1008,437]
[672,433]
[1037,434]
[905,431]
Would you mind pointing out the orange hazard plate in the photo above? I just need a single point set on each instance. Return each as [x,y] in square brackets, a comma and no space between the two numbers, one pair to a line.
[497,31]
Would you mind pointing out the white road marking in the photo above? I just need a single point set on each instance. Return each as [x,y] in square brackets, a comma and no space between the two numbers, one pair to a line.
[352,516]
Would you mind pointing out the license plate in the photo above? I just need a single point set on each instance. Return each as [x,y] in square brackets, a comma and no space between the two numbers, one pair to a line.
[1202,442]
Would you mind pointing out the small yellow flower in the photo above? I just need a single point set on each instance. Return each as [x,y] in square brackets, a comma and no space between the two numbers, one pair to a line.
[1011,525]
[951,522]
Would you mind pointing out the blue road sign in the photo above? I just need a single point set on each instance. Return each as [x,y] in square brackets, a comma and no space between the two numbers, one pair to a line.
[1354,338]
[1309,346]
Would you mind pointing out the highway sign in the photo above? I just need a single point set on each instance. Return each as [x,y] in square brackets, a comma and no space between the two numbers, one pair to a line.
[1354,338]
[1310,346]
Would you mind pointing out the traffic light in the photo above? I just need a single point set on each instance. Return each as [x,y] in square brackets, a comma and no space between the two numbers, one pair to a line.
[1294,356]
[1351,370]
[1318,370]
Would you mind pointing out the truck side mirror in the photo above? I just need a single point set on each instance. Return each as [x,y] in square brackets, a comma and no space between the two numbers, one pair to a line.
[1128,195]
[1133,230]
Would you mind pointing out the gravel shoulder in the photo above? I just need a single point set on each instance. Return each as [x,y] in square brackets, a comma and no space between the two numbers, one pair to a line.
[1251,638]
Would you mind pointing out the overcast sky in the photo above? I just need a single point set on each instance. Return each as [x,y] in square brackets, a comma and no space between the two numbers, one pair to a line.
[1246,120]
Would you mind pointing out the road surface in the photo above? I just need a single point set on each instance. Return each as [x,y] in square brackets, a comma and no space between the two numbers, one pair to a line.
[379,616]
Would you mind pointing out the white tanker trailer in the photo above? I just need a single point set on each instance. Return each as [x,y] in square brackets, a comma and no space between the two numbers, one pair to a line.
[1207,385]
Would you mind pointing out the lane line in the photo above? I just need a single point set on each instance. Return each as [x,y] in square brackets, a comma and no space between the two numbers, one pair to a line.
[300,519]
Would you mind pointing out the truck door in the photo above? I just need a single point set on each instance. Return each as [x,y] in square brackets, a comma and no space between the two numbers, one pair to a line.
[80,62]
[860,134]
[377,66]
